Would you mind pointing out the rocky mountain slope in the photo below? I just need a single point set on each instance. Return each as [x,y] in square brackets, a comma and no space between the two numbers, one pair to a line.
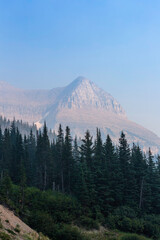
[80,105]
[26,105]
[11,227]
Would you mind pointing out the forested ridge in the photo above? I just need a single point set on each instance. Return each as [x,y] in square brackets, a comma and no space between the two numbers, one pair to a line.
[24,128]
[55,183]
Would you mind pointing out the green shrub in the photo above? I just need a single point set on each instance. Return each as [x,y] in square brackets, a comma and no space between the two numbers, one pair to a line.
[152,230]
[10,231]
[125,212]
[154,219]
[62,208]
[41,237]
[42,222]
[132,237]
[117,222]
[125,224]
[1,226]
[137,225]
[4,236]
[27,237]
[112,221]
[67,232]
[88,223]
[130,225]
[17,229]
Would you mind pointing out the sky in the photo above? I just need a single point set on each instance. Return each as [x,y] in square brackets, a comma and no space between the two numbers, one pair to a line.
[115,43]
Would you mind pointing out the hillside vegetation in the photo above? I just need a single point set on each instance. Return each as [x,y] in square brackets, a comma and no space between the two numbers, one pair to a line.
[66,191]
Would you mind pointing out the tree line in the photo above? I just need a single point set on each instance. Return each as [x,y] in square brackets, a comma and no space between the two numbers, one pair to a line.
[99,174]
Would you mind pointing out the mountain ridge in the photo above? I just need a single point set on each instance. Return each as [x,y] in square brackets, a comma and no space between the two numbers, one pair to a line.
[81,105]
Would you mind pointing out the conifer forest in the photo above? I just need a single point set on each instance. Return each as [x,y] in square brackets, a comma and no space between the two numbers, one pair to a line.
[86,183]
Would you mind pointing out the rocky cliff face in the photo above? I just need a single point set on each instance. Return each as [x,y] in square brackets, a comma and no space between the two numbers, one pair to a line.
[82,93]
[80,105]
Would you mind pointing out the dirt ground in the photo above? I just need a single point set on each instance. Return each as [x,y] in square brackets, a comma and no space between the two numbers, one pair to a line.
[13,226]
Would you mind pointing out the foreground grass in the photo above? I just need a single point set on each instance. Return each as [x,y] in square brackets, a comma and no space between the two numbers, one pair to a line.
[77,233]
[104,234]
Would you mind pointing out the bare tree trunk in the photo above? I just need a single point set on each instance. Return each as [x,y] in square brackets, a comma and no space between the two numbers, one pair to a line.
[141,194]
[1,175]
[54,186]
[62,179]
[45,177]
[69,187]
[22,206]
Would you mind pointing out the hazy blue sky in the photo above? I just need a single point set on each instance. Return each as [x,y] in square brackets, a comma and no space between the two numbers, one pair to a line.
[115,43]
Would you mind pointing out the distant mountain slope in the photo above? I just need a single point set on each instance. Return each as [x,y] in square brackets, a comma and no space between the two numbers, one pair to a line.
[80,105]
[26,105]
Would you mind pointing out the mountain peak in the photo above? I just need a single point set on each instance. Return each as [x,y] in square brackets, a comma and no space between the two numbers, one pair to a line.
[81,105]
[80,81]
[84,94]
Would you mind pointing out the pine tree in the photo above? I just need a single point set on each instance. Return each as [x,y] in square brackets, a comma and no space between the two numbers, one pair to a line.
[1,143]
[124,158]
[113,174]
[6,186]
[100,174]
[1,154]
[43,159]
[148,183]
[139,167]
[86,151]
[6,166]
[76,153]
[77,175]
[22,185]
[31,163]
[17,153]
[59,160]
[151,186]
[158,163]
[68,161]
[38,161]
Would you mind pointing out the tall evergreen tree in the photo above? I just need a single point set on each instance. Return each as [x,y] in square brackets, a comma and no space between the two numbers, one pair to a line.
[151,186]
[100,174]
[60,160]
[139,167]
[31,148]
[86,151]
[77,172]
[17,154]
[124,158]
[113,174]
[68,161]
[43,156]
[6,164]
